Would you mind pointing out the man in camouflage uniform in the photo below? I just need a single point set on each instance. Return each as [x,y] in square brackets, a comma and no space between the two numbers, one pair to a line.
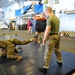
[53,39]
[8,48]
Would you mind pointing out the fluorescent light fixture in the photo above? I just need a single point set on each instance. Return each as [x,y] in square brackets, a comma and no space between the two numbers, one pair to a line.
[10,0]
[0,9]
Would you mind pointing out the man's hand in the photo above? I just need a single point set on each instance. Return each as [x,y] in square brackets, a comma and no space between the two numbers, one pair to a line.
[42,45]
[44,41]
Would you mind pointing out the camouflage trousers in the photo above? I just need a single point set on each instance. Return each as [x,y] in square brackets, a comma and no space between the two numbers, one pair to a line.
[53,43]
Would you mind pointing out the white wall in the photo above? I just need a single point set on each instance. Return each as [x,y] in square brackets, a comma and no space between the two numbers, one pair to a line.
[65,5]
[67,22]
[9,12]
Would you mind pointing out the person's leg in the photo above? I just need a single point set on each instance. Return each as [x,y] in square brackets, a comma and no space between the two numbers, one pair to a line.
[58,53]
[10,52]
[3,53]
[48,52]
[28,28]
[31,30]
[19,49]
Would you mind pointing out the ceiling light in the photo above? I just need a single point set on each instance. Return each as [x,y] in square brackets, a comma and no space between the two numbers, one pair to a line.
[10,0]
[0,9]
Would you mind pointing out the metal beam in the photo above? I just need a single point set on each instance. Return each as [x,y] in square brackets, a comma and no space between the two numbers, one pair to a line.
[8,4]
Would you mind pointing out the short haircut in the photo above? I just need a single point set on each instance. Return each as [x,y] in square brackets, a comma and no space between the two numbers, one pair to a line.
[48,8]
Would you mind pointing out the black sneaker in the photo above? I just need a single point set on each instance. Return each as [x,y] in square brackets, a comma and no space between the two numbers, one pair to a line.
[59,64]
[44,70]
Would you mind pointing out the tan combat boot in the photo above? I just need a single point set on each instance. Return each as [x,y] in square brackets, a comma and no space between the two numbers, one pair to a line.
[19,58]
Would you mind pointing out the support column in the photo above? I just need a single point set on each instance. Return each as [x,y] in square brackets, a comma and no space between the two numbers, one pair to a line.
[20,2]
[19,19]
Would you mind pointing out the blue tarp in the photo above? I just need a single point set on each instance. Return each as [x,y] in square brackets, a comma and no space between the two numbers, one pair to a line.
[26,8]
[22,10]
[38,8]
[18,12]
